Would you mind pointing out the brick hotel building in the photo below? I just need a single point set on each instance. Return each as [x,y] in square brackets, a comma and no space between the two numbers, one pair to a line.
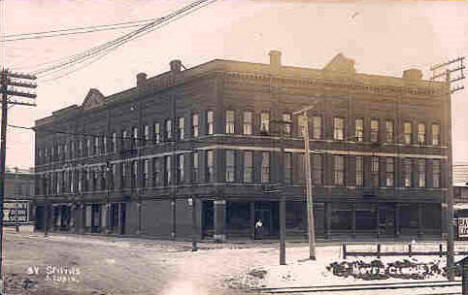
[209,150]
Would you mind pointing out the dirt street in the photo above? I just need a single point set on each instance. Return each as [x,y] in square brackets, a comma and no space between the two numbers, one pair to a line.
[73,264]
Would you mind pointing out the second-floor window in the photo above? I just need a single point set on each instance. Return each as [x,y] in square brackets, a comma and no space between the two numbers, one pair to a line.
[230,166]
[265,122]
[181,128]
[96,145]
[359,130]
[146,134]
[421,173]
[134,173]
[374,136]
[210,166]
[209,123]
[435,134]
[167,170]
[316,127]
[338,128]
[389,172]
[338,170]
[157,172]
[288,168]
[168,129]
[317,169]
[421,133]
[195,167]
[247,123]
[359,171]
[287,124]
[157,133]
[375,171]
[135,138]
[407,172]
[301,123]
[230,122]
[195,125]
[180,169]
[114,142]
[145,177]
[389,131]
[408,132]
[265,173]
[436,173]
[248,166]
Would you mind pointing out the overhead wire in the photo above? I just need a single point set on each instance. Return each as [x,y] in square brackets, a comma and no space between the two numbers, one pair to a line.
[107,47]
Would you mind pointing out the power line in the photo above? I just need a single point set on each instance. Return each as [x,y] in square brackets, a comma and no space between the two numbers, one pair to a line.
[107,47]
[73,31]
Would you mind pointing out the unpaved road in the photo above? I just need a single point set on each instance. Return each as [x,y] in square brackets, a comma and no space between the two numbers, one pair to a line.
[105,265]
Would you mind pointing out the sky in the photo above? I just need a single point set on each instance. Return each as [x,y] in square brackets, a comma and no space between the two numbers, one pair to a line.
[383,37]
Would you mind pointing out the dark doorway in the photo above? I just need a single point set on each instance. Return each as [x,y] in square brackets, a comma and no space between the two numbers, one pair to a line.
[95,218]
[387,220]
[207,219]
[39,222]
[123,217]
[268,215]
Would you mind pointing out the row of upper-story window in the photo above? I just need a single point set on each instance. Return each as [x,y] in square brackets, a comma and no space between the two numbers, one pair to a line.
[382,171]
[360,131]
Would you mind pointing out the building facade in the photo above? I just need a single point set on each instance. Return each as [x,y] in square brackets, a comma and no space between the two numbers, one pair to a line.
[209,151]
[19,193]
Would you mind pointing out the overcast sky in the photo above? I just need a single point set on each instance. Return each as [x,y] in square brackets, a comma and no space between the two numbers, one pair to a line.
[383,37]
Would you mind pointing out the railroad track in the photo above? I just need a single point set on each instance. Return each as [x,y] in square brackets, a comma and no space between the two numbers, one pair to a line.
[439,285]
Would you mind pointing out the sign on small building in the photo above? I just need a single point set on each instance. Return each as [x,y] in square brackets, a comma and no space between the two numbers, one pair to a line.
[15,212]
[462,226]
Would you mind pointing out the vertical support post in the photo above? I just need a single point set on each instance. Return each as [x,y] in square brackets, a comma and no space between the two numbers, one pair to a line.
[310,205]
[252,220]
[449,167]
[344,251]
[194,225]
[410,250]
[3,85]
[440,250]
[378,250]
[397,220]
[219,220]
[282,231]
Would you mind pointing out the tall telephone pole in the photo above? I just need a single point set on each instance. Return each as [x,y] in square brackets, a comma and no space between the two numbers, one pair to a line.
[308,176]
[444,71]
[11,85]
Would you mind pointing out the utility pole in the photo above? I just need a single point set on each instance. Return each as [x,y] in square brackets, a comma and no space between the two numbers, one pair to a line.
[7,79]
[445,70]
[308,175]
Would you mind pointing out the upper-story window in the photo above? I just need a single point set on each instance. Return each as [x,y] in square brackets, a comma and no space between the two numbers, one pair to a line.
[230,166]
[210,166]
[375,171]
[407,173]
[229,122]
[436,173]
[248,166]
[104,144]
[88,146]
[265,122]
[146,134]
[338,128]
[389,132]
[209,122]
[134,173]
[389,172]
[96,145]
[247,123]
[157,171]
[317,127]
[135,137]
[359,129]
[435,134]
[287,123]
[195,125]
[338,170]
[181,128]
[421,173]
[80,149]
[145,177]
[317,172]
[301,123]
[168,129]
[114,142]
[421,133]
[374,136]
[157,133]
[287,167]
[408,132]
[195,167]
[167,170]
[359,171]
[265,173]
[180,168]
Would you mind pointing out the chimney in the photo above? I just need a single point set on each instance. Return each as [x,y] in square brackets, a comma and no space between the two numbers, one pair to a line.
[412,74]
[275,60]
[176,66]
[141,78]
